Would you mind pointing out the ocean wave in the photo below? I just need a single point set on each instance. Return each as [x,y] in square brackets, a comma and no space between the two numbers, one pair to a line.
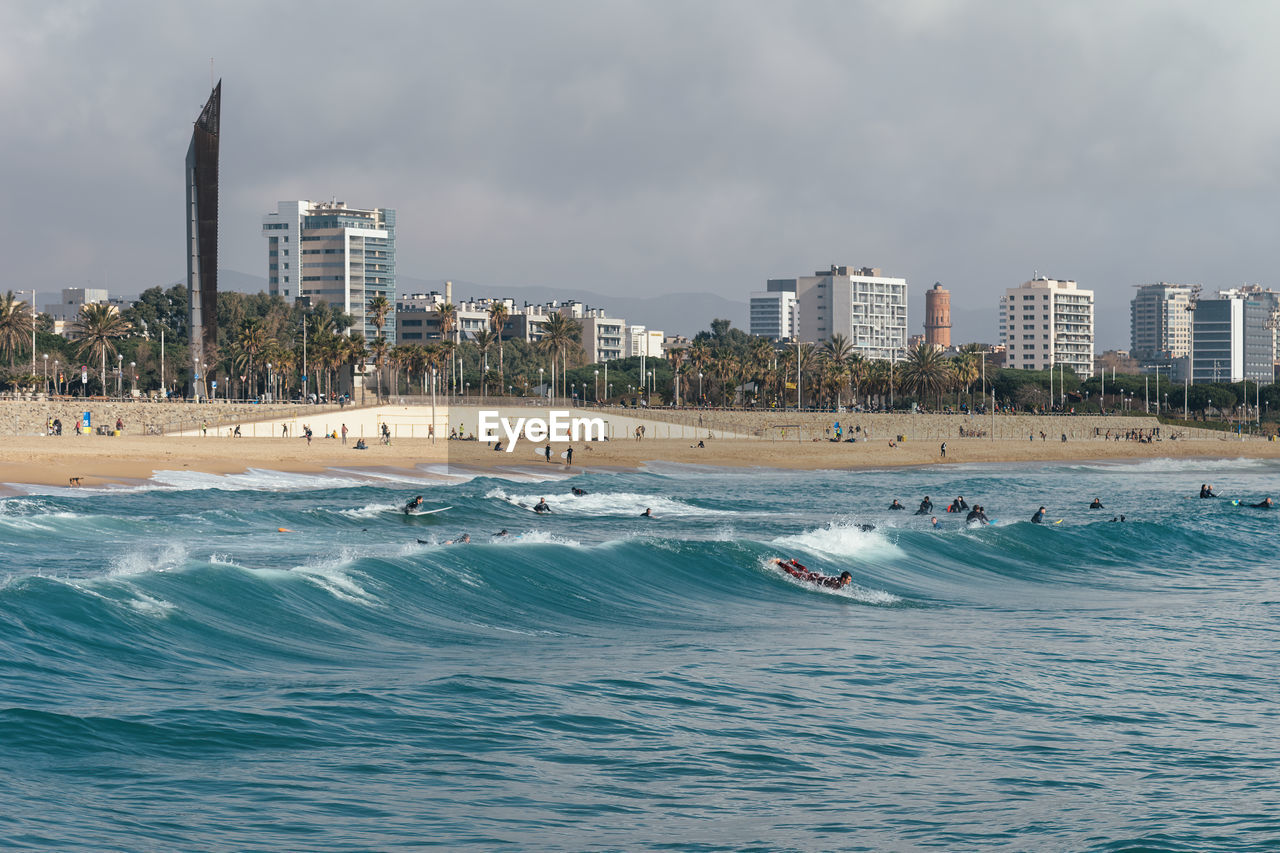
[595,503]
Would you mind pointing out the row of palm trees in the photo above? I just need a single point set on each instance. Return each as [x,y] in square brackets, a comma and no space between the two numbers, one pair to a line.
[822,375]
[95,331]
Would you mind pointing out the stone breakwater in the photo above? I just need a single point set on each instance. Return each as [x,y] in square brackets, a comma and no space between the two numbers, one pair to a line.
[22,417]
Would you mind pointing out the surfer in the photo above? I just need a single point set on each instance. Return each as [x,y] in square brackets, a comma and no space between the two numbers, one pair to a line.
[1097,504]
[648,513]
[577,493]
[541,506]
[412,505]
[464,539]
[934,521]
[1121,518]
[865,528]
[958,505]
[547,452]
[1206,491]
[1038,518]
[896,505]
[926,506]
[501,533]
[977,514]
[1265,503]
[796,570]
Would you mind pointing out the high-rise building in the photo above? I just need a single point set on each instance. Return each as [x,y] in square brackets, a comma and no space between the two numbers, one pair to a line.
[202,236]
[1160,321]
[937,316]
[1232,338]
[326,251]
[773,310]
[869,309]
[1045,323]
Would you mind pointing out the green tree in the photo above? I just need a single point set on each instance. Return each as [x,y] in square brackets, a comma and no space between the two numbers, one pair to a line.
[97,328]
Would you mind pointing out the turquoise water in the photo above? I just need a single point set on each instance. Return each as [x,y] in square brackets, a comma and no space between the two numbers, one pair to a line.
[176,674]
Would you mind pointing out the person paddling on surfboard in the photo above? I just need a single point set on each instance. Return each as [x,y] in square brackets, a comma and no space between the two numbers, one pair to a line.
[412,505]
[541,506]
[796,570]
[1038,518]
[648,513]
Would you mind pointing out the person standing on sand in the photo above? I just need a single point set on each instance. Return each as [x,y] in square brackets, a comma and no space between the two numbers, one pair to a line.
[944,450]
[344,434]
[568,459]
[547,452]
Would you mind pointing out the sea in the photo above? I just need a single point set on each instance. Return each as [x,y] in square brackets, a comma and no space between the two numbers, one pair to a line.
[286,662]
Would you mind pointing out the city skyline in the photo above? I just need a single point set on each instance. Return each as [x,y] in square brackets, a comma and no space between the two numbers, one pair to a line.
[660,148]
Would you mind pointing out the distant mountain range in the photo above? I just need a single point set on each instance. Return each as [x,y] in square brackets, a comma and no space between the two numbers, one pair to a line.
[672,313]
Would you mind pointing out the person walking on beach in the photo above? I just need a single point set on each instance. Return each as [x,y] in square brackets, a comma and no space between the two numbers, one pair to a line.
[344,435]
[568,459]
[119,425]
[284,430]
[547,451]
[306,430]
[204,428]
[944,450]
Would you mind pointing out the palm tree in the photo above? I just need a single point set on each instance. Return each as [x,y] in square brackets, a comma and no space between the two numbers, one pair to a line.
[355,352]
[837,353]
[925,371]
[484,341]
[252,341]
[379,349]
[498,314]
[557,334]
[377,310]
[96,327]
[15,323]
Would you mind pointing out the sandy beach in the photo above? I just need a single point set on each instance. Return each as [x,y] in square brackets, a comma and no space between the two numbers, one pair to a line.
[102,460]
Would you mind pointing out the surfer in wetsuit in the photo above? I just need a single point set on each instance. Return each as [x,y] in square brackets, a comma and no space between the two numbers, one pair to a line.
[958,505]
[648,513]
[1265,503]
[976,514]
[1097,504]
[1206,491]
[1038,518]
[896,505]
[796,570]
[412,505]
[502,532]
[577,493]
[541,506]
[926,506]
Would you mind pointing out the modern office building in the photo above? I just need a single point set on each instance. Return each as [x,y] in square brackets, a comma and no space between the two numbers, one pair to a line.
[202,236]
[1232,338]
[1160,321]
[1048,322]
[603,336]
[773,310]
[645,342]
[937,316]
[326,251]
[866,307]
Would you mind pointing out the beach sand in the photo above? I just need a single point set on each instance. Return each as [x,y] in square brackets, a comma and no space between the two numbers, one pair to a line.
[101,460]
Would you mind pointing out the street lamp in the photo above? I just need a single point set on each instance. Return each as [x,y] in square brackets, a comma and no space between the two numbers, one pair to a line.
[597,389]
[133,371]
[699,387]
[57,385]
[542,389]
[268,379]
[46,374]
[119,371]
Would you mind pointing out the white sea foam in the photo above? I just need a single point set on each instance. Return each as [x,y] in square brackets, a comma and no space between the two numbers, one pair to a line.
[332,576]
[1165,465]
[148,606]
[163,558]
[254,479]
[841,539]
[623,504]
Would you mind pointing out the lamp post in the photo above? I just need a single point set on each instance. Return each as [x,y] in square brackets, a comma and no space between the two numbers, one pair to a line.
[133,372]
[433,406]
[597,388]
[542,390]
[268,381]
[57,385]
[119,371]
[46,374]
[699,387]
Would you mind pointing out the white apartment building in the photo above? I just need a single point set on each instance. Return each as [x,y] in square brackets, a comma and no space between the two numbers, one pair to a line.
[773,310]
[1160,321]
[1046,322]
[602,336]
[73,299]
[645,342]
[342,255]
[866,307]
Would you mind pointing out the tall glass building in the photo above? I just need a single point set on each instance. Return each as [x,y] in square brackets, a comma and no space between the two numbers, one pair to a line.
[342,255]
[202,237]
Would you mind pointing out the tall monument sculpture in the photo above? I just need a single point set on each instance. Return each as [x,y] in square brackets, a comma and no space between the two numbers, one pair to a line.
[202,240]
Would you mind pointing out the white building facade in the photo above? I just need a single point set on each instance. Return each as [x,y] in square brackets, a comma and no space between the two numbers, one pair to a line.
[1160,321]
[868,308]
[773,310]
[342,255]
[1048,322]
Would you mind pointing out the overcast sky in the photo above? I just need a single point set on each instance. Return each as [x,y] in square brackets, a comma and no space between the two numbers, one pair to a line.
[657,147]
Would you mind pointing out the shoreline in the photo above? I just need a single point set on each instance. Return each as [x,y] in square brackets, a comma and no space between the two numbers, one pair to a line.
[104,461]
